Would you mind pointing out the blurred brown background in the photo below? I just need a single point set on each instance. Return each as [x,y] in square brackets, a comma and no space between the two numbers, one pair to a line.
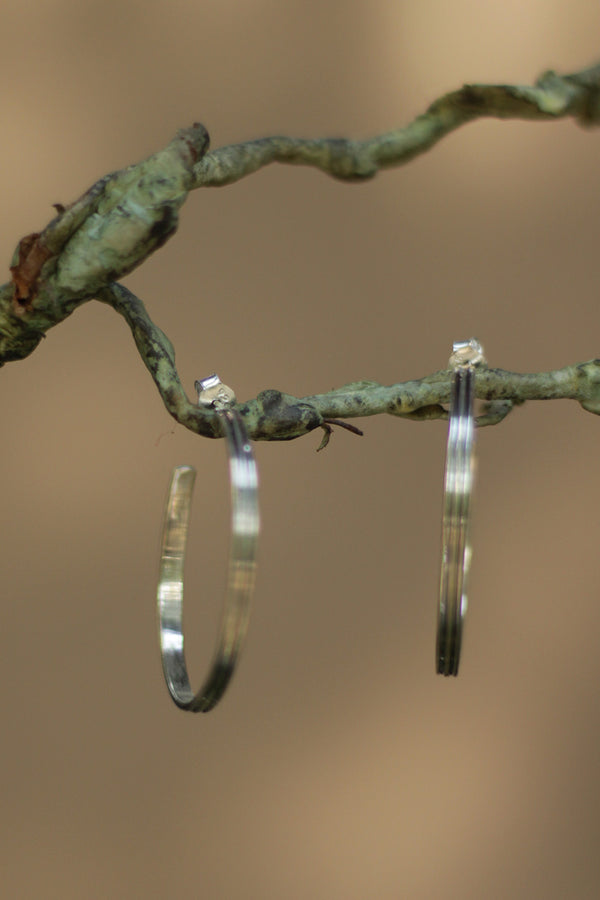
[339,765]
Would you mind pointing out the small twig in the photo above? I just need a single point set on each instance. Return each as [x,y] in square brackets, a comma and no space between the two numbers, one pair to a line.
[328,430]
[345,425]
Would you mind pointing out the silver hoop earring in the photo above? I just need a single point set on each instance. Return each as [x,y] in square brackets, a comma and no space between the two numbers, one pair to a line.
[245,525]
[458,485]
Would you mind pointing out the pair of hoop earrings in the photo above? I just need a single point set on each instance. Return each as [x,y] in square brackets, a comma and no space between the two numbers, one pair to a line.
[245,526]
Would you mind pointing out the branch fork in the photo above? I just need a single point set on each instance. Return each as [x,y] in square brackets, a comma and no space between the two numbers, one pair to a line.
[127,215]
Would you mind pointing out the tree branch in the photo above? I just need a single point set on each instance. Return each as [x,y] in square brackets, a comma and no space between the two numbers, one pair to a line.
[275,416]
[127,215]
[552,97]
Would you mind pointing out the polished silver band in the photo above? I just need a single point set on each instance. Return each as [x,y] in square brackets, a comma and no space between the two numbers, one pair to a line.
[458,485]
[245,525]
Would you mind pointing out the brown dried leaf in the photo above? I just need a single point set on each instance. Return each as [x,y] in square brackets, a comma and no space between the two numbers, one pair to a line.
[31,255]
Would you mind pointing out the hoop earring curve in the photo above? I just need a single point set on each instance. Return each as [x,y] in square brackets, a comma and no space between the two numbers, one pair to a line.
[245,525]
[458,485]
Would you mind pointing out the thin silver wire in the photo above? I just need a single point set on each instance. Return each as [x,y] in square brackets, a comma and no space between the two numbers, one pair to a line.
[245,526]
[458,485]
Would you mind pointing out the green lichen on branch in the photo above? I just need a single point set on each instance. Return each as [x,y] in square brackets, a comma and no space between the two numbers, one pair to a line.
[552,97]
[105,234]
[276,416]
[127,215]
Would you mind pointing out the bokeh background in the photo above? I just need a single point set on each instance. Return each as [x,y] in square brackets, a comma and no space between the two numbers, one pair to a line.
[339,764]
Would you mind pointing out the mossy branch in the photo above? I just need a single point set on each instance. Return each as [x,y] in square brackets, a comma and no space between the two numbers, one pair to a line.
[127,215]
[552,97]
[275,416]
